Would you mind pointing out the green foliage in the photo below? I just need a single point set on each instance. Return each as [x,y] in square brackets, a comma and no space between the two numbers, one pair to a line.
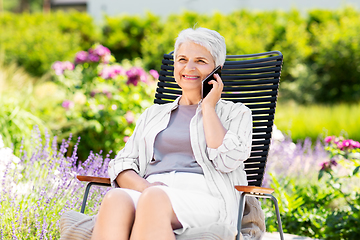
[335,59]
[125,34]
[34,41]
[321,60]
[17,114]
[318,120]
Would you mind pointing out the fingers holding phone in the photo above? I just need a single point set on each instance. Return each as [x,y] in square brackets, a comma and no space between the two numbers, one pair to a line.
[212,87]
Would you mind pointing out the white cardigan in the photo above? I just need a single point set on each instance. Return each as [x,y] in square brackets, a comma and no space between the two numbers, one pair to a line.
[223,167]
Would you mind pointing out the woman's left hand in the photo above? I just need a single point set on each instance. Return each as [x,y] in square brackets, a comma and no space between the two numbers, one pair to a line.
[215,93]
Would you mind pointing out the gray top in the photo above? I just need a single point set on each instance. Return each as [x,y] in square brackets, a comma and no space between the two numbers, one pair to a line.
[172,147]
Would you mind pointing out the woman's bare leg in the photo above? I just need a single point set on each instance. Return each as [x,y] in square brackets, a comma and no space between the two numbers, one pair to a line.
[155,217]
[115,218]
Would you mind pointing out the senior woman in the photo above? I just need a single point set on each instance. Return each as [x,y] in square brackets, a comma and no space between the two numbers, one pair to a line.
[178,169]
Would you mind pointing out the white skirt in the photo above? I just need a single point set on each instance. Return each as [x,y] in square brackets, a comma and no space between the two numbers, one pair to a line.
[190,197]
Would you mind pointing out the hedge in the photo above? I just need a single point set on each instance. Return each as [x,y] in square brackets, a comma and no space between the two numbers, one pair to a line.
[321,60]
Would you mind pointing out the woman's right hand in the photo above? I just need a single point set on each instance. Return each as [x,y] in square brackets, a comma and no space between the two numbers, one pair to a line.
[131,180]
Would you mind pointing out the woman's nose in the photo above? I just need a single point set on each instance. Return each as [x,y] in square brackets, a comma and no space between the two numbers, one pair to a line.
[190,66]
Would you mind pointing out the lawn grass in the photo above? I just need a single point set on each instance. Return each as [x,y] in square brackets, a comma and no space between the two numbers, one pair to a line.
[313,121]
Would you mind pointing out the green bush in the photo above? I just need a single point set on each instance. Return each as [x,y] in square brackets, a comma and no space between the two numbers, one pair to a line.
[124,35]
[35,41]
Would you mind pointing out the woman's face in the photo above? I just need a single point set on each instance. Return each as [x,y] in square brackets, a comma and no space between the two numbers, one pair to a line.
[192,64]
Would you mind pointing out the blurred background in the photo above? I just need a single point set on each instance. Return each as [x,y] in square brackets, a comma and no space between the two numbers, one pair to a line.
[320,82]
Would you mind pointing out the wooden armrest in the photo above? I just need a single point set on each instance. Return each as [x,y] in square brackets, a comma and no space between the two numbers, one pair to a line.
[94,179]
[253,189]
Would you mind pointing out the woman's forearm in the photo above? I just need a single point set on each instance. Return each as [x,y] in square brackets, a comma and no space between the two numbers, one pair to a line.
[214,130]
[131,180]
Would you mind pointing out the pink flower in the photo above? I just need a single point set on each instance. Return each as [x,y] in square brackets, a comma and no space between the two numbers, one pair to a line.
[93,58]
[107,93]
[355,144]
[130,117]
[340,145]
[347,143]
[81,57]
[68,65]
[329,139]
[60,67]
[57,66]
[154,73]
[126,138]
[100,54]
[111,72]
[118,69]
[136,74]
[100,50]
[67,104]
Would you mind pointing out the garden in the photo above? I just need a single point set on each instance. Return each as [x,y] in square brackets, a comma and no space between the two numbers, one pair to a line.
[71,91]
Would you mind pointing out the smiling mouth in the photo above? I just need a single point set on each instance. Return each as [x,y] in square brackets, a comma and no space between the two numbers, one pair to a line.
[189,77]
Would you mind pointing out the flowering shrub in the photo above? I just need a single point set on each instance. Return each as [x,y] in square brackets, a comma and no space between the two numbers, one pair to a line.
[316,186]
[103,98]
[38,187]
[340,149]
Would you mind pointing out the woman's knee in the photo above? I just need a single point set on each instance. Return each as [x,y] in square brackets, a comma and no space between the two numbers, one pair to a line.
[155,202]
[116,196]
[153,194]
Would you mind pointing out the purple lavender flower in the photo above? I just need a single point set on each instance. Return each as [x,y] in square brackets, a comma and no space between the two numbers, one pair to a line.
[81,57]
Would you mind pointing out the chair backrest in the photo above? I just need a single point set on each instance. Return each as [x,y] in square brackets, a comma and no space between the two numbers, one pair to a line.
[251,79]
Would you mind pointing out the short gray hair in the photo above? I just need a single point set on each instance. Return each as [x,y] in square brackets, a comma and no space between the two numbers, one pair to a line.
[207,38]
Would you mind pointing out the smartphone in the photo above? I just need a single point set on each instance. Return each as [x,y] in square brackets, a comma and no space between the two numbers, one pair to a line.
[206,87]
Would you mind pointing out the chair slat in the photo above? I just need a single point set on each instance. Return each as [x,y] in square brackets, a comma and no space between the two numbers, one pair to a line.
[248,71]
[228,66]
[255,183]
[166,90]
[247,77]
[247,95]
[256,82]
